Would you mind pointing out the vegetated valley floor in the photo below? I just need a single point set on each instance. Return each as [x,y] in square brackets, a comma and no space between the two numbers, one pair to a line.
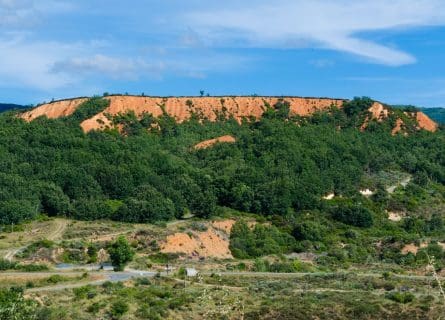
[226,288]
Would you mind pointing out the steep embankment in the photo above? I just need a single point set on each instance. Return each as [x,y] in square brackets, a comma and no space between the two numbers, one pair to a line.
[54,110]
[380,113]
[425,122]
[181,108]
[209,143]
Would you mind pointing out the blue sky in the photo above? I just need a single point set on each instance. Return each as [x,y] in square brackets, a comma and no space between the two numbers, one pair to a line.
[393,51]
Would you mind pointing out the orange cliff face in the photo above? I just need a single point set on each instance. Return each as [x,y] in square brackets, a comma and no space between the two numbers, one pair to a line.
[54,110]
[379,112]
[181,108]
[425,122]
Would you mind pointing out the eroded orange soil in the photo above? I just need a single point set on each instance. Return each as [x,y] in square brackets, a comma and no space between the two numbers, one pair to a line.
[209,143]
[181,108]
[213,243]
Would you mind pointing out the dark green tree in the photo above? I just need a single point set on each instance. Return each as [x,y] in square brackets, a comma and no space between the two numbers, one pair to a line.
[120,253]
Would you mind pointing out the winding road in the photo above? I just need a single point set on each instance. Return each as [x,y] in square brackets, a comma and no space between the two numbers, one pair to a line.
[56,233]
[133,274]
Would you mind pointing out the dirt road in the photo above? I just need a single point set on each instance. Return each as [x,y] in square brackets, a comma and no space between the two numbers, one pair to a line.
[131,274]
[57,229]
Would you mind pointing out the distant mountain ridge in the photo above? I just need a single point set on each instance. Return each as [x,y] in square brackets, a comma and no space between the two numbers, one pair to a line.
[9,106]
[437,114]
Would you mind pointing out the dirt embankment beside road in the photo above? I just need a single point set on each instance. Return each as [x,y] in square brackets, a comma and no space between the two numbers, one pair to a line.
[211,243]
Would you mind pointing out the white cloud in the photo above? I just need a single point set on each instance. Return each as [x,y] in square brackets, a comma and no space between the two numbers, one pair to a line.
[117,68]
[16,13]
[327,24]
[27,63]
[21,14]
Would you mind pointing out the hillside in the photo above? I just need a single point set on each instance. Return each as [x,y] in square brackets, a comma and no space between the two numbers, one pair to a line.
[346,199]
[49,163]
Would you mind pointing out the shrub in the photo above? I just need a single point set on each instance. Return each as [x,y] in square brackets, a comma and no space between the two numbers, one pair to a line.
[308,230]
[353,214]
[55,278]
[94,308]
[260,241]
[400,297]
[119,308]
[84,292]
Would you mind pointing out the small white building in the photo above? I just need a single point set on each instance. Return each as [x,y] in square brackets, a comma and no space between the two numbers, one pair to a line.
[329,196]
[106,266]
[367,192]
[191,272]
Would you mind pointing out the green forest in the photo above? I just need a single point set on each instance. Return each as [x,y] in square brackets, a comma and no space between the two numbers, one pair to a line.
[280,168]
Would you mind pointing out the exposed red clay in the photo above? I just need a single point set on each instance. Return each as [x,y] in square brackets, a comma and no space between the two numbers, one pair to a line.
[425,122]
[209,143]
[181,108]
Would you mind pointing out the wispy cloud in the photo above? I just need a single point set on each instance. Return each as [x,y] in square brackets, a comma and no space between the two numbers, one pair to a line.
[27,63]
[118,68]
[20,14]
[335,25]
[322,63]
[14,13]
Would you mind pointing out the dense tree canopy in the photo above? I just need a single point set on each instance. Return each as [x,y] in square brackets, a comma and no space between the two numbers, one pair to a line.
[279,165]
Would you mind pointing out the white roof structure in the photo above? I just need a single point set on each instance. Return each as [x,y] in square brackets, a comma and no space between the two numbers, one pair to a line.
[191,272]
[329,196]
[366,192]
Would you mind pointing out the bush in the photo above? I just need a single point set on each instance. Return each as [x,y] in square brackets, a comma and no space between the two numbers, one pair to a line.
[119,308]
[84,292]
[9,265]
[308,230]
[94,308]
[400,297]
[353,214]
[13,305]
[55,278]
[260,241]
[163,258]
